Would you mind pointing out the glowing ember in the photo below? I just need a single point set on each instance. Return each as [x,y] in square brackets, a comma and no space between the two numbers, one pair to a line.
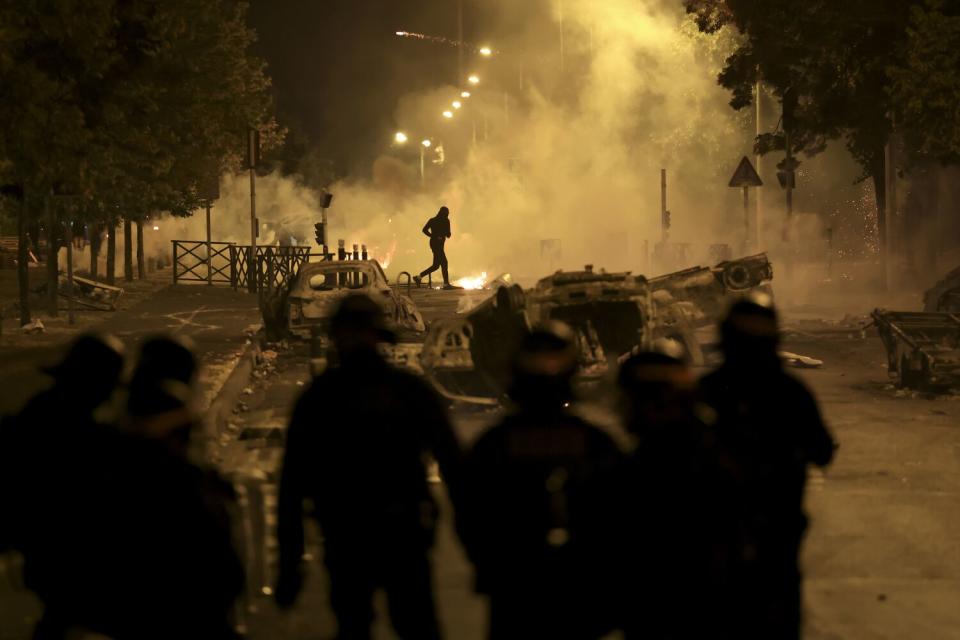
[473,282]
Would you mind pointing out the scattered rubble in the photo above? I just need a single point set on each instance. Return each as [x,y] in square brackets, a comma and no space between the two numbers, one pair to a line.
[800,362]
[34,326]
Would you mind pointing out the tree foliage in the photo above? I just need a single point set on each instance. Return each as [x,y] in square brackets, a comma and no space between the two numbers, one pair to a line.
[925,84]
[127,104]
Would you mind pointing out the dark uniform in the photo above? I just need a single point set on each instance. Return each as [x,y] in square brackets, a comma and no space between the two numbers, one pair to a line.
[437,229]
[769,431]
[355,447]
[174,556]
[671,558]
[56,463]
[528,516]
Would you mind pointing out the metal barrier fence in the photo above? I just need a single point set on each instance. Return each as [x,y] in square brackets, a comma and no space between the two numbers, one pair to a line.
[197,261]
[276,266]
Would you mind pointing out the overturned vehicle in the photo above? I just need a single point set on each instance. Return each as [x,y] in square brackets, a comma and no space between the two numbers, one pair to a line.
[923,348]
[613,314]
[307,302]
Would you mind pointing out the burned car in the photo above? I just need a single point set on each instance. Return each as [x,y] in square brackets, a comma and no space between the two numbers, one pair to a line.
[695,298]
[945,295]
[613,314]
[315,292]
[468,358]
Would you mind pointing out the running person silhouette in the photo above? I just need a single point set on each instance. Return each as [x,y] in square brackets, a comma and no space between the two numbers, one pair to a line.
[437,229]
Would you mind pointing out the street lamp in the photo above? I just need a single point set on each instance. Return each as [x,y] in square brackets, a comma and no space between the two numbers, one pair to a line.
[448,114]
[424,145]
[464,94]
[457,104]
[400,137]
[474,79]
[486,52]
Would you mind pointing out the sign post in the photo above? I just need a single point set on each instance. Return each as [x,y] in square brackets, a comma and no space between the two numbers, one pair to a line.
[253,158]
[743,178]
[325,201]
[210,191]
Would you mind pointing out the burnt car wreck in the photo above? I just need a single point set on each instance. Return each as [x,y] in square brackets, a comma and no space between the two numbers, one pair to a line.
[613,314]
[305,304]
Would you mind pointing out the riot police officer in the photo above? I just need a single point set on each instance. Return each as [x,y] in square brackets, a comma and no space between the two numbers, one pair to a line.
[356,447]
[671,558]
[769,431]
[530,500]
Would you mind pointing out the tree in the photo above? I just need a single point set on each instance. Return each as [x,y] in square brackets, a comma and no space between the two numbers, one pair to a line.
[125,104]
[827,61]
[925,84]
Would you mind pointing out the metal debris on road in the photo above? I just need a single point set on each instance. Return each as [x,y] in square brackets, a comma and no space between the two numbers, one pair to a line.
[34,326]
[800,362]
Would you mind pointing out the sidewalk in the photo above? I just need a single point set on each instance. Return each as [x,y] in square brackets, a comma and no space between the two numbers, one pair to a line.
[219,322]
[214,318]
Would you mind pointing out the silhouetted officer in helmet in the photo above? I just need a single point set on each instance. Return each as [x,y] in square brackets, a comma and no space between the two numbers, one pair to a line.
[53,454]
[769,430]
[671,559]
[355,447]
[528,515]
[175,557]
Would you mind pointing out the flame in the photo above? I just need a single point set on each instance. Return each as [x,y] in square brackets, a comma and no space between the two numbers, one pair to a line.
[473,282]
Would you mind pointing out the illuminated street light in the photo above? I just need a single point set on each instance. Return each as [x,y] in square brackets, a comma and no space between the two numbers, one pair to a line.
[486,52]
[427,143]
[400,137]
[474,79]
[464,94]
[457,104]
[448,114]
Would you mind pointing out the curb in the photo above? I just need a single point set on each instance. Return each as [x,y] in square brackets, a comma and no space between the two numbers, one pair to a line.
[220,409]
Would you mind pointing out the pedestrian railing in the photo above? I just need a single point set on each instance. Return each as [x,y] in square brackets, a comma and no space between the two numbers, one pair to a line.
[276,266]
[199,261]
[227,263]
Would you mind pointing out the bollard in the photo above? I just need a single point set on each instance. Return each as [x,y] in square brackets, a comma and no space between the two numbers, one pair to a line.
[364,256]
[341,255]
[355,277]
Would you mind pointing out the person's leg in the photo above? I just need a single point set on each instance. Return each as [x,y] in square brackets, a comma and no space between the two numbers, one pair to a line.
[442,259]
[351,598]
[436,261]
[409,586]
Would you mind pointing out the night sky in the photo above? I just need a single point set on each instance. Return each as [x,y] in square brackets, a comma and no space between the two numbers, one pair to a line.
[339,69]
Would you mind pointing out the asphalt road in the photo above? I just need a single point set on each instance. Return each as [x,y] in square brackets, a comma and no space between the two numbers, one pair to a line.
[213,318]
[882,559]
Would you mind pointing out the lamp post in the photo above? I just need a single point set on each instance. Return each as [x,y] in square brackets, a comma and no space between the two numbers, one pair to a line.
[424,145]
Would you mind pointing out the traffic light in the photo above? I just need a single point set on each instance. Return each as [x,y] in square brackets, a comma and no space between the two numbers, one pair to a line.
[319,231]
[666,220]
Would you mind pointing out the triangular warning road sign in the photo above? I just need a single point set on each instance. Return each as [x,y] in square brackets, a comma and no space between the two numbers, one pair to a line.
[746,175]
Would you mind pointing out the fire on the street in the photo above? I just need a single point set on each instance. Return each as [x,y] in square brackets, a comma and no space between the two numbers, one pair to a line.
[472,282]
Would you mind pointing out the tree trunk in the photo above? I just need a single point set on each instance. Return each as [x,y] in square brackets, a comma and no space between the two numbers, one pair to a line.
[112,252]
[94,250]
[140,266]
[878,173]
[23,276]
[53,257]
[127,250]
